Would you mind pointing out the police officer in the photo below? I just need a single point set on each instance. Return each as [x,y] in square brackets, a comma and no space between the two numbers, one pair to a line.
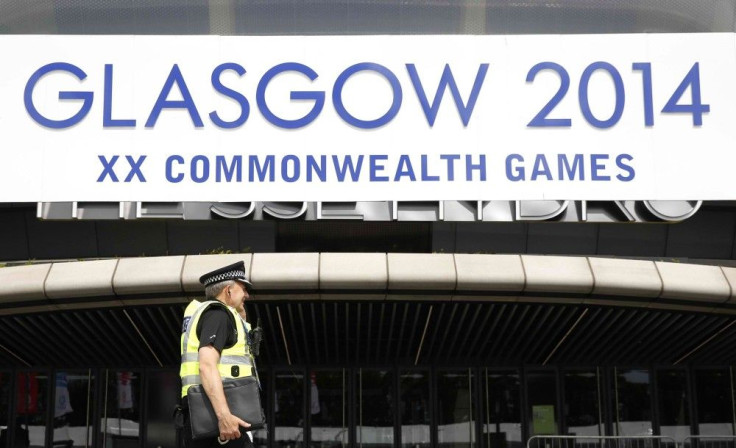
[214,346]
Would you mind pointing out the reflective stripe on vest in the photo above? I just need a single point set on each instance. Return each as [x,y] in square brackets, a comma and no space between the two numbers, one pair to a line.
[236,358]
[193,357]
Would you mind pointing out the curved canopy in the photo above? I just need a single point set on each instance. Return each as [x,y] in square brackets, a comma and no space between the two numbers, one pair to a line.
[337,309]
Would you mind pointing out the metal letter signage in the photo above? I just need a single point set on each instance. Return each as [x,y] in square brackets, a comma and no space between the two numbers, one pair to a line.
[544,124]
[562,211]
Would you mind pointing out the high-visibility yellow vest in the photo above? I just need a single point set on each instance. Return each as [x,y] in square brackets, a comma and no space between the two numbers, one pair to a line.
[234,362]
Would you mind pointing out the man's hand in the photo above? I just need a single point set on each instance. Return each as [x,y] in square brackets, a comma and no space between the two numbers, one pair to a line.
[240,309]
[230,427]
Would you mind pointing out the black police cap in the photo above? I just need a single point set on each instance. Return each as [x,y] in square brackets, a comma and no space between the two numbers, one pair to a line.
[235,271]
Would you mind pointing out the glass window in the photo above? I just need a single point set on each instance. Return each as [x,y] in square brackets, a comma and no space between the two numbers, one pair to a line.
[455,418]
[164,392]
[674,404]
[121,412]
[5,390]
[290,17]
[632,402]
[327,409]
[542,396]
[581,411]
[30,420]
[502,428]
[375,403]
[260,437]
[289,409]
[715,405]
[73,409]
[414,405]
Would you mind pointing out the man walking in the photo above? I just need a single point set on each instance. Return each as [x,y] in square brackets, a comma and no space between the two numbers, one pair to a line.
[214,346]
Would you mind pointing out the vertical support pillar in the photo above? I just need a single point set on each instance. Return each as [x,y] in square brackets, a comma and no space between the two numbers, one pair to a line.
[222,17]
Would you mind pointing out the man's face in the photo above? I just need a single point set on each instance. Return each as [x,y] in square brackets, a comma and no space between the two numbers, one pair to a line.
[236,295]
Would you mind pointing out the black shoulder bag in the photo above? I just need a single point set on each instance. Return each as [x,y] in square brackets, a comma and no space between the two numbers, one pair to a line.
[243,398]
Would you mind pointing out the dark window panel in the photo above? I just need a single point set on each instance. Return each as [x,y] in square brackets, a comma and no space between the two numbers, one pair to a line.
[708,234]
[202,237]
[131,17]
[674,403]
[13,234]
[265,17]
[61,239]
[257,236]
[23,17]
[132,238]
[563,239]
[715,405]
[633,240]
[491,237]
[337,236]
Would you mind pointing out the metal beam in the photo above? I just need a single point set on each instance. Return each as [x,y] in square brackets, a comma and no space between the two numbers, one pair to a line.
[582,315]
[704,343]
[143,338]
[424,333]
[283,335]
[11,353]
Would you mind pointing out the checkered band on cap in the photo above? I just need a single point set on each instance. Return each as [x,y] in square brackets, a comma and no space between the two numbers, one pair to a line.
[231,275]
[235,271]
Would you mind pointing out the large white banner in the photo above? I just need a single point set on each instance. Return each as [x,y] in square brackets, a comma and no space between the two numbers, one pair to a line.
[359,118]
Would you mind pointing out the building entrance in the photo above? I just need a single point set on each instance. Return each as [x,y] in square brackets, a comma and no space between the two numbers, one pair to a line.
[377,406]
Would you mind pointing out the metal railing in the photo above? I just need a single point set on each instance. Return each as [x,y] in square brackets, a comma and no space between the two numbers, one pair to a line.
[603,442]
[709,442]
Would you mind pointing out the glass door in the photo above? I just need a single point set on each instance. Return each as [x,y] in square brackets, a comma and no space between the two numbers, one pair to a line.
[414,408]
[715,401]
[73,404]
[31,409]
[674,404]
[542,398]
[582,410]
[375,408]
[121,410]
[455,415]
[163,392]
[502,422]
[328,409]
[288,409]
[5,390]
[632,402]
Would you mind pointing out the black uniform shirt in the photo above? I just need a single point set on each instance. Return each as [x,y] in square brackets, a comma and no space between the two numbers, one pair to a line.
[216,328]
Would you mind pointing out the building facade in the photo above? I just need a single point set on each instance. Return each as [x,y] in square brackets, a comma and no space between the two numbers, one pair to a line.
[387,324]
